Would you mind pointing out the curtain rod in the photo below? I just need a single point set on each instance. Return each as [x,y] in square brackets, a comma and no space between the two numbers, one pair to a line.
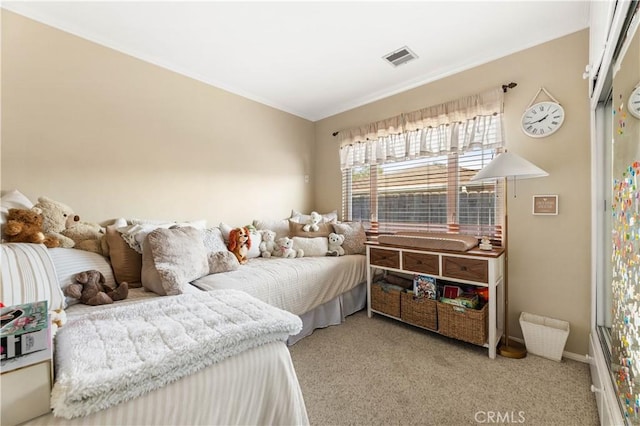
[505,87]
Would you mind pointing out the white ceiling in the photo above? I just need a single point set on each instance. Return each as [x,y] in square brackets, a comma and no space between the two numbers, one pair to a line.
[313,59]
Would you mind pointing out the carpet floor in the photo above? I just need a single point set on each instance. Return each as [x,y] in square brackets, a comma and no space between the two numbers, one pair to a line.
[382,372]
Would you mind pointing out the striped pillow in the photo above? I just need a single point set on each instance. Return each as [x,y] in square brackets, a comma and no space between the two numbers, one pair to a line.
[28,275]
[70,261]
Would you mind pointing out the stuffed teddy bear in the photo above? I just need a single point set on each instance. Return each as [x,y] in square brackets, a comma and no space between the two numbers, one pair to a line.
[284,248]
[90,289]
[335,244]
[60,222]
[312,223]
[25,226]
[240,243]
[87,236]
[268,244]
[55,218]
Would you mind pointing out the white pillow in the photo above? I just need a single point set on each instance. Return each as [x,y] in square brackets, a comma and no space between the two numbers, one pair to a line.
[330,217]
[135,234]
[279,226]
[70,261]
[312,247]
[13,200]
[29,275]
[213,240]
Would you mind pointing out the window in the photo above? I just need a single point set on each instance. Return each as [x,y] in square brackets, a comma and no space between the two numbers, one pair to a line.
[413,171]
[426,194]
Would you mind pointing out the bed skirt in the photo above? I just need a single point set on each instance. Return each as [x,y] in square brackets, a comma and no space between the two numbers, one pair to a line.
[332,312]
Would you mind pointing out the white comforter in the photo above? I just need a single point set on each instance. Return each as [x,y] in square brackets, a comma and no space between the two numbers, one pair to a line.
[118,353]
[258,386]
[295,285]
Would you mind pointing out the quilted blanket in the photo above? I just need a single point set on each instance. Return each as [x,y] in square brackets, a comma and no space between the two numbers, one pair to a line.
[120,352]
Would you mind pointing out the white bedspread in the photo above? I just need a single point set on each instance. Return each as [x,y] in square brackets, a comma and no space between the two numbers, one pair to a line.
[295,285]
[117,353]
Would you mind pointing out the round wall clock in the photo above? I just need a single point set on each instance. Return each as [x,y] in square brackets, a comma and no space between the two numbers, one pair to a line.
[634,102]
[542,119]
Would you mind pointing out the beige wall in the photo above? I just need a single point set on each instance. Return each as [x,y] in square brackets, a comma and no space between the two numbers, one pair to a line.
[114,136]
[549,255]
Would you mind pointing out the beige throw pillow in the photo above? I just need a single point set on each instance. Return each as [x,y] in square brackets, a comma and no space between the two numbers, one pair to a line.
[296,230]
[171,258]
[354,237]
[125,261]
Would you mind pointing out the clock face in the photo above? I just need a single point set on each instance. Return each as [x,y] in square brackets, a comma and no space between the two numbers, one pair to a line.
[634,102]
[542,119]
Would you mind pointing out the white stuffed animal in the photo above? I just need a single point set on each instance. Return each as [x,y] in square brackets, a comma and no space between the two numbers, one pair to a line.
[268,244]
[335,244]
[284,248]
[312,223]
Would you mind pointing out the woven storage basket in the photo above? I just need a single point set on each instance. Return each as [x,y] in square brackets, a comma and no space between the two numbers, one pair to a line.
[461,323]
[422,312]
[385,300]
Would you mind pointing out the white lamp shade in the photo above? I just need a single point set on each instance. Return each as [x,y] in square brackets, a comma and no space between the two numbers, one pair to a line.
[509,165]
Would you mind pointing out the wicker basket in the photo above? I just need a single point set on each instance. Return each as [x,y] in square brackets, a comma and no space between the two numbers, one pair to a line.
[544,336]
[421,312]
[461,323]
[385,300]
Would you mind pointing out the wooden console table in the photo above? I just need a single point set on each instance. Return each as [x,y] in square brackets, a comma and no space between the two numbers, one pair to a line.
[476,267]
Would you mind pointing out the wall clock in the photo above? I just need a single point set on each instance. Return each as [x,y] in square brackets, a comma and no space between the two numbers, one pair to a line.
[543,118]
[634,102]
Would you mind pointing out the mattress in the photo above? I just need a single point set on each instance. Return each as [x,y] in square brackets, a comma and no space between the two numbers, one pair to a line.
[430,241]
[295,285]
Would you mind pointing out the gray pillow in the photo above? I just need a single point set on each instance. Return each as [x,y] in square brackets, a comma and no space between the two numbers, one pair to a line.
[354,236]
[222,261]
[171,258]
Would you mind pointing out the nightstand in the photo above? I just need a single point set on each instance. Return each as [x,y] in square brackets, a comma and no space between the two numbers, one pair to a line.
[26,392]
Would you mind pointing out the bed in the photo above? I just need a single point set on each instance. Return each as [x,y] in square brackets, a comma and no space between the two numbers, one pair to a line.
[321,290]
[255,386]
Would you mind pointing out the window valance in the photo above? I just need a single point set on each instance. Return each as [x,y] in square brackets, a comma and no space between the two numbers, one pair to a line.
[459,125]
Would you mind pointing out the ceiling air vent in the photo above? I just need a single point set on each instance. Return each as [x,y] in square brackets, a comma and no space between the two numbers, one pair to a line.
[400,56]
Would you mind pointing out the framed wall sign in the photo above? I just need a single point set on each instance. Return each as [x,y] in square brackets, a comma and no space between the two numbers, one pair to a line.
[545,204]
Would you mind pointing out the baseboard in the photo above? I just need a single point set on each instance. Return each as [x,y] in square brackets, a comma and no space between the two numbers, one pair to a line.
[565,354]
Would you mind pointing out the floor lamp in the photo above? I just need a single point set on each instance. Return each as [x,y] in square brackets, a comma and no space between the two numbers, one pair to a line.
[508,166]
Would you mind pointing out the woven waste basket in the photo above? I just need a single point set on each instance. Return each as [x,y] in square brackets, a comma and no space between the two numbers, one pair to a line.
[544,336]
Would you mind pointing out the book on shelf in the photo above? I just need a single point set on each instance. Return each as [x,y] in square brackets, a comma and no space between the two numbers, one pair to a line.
[424,287]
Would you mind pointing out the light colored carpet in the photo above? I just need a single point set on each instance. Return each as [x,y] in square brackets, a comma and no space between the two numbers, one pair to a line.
[382,372]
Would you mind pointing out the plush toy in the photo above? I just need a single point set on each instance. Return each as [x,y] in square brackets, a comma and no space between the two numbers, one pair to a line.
[312,223]
[284,248]
[25,226]
[59,221]
[87,236]
[90,289]
[240,243]
[57,318]
[55,219]
[268,244]
[335,244]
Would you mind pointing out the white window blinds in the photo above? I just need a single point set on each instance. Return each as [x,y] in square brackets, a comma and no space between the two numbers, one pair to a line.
[419,179]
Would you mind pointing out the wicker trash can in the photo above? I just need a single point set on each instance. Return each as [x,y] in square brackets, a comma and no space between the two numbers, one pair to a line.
[544,336]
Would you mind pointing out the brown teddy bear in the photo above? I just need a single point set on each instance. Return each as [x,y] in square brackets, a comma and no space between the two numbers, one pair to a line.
[25,226]
[90,289]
